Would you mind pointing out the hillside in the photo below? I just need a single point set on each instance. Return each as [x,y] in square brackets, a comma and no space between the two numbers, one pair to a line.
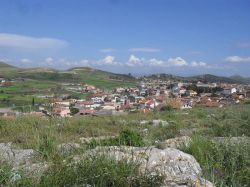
[5,65]
[91,76]
[7,70]
[202,78]
[241,79]
[213,78]
[103,79]
[208,143]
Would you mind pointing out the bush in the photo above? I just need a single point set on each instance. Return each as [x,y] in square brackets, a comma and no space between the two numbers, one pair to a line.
[166,108]
[130,138]
[74,111]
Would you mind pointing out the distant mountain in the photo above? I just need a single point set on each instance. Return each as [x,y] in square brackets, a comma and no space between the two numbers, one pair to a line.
[214,78]
[202,78]
[241,79]
[103,78]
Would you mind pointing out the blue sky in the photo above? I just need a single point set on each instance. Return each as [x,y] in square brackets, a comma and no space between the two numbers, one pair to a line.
[184,37]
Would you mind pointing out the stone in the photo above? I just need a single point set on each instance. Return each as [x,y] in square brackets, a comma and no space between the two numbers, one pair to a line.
[14,176]
[15,157]
[144,122]
[177,167]
[154,122]
[177,142]
[66,148]
[84,140]
[157,122]
[34,169]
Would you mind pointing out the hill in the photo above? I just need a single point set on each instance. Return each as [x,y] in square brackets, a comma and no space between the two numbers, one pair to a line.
[7,70]
[214,78]
[87,75]
[241,79]
[202,78]
[103,79]
[5,65]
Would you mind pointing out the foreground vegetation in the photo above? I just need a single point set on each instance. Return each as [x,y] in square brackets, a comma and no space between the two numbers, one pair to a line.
[224,163]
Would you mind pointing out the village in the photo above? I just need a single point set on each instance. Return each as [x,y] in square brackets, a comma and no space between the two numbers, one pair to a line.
[149,95]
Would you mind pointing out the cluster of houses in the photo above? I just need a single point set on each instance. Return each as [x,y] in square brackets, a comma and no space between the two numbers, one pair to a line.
[4,82]
[148,96]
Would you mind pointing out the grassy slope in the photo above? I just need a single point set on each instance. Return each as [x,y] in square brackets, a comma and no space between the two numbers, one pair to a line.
[7,70]
[80,75]
[225,165]
[97,78]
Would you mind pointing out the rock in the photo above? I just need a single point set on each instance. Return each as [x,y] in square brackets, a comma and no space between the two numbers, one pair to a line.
[154,122]
[144,122]
[67,148]
[97,139]
[176,142]
[123,122]
[14,176]
[34,169]
[157,122]
[15,157]
[177,167]
[145,132]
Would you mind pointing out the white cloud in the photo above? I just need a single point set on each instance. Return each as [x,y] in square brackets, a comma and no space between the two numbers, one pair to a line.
[198,64]
[237,59]
[178,61]
[155,62]
[108,60]
[49,61]
[134,61]
[21,41]
[26,61]
[107,50]
[144,49]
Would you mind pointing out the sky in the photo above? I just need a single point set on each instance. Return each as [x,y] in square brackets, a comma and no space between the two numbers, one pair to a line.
[182,37]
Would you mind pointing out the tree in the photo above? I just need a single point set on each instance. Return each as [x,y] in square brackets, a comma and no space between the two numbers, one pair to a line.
[74,111]
[33,101]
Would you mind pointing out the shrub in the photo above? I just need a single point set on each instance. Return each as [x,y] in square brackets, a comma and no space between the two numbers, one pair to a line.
[166,108]
[130,138]
[74,111]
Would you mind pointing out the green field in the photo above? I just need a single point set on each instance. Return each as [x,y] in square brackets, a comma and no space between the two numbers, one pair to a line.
[29,85]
